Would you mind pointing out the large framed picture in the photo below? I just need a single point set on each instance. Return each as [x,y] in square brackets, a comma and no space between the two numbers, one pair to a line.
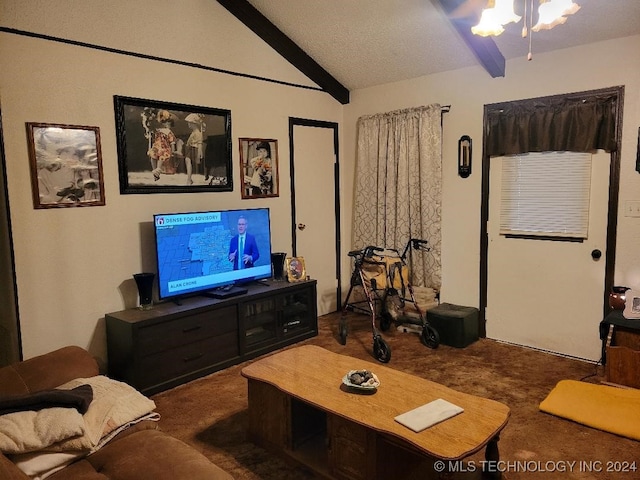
[172,148]
[66,165]
[259,167]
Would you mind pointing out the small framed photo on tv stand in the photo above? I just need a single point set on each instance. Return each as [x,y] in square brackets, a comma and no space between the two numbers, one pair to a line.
[296,271]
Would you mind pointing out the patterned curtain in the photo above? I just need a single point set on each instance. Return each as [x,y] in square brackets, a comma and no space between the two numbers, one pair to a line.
[399,186]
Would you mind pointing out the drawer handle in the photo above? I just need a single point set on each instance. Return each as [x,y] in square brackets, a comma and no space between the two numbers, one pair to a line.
[192,357]
[191,329]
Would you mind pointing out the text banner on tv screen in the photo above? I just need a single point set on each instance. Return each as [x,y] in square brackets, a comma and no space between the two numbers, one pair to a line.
[207,281]
[187,218]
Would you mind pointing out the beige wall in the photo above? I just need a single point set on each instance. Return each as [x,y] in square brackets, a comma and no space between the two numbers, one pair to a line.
[594,66]
[73,265]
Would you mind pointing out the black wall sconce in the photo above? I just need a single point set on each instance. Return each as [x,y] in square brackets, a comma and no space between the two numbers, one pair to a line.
[464,156]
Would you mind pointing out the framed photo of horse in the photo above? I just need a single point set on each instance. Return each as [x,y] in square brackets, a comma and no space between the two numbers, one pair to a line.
[167,147]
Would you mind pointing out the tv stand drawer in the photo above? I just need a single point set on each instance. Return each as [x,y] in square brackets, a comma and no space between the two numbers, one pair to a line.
[184,330]
[187,359]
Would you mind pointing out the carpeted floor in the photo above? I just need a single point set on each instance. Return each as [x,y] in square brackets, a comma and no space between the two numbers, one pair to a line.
[211,413]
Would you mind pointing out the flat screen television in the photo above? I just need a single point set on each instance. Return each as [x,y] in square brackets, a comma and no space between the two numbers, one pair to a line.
[197,252]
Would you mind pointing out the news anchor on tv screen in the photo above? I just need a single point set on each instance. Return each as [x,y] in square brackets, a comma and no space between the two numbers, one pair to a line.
[243,248]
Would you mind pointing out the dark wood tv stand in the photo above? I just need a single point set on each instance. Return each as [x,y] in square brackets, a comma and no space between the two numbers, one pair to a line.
[173,343]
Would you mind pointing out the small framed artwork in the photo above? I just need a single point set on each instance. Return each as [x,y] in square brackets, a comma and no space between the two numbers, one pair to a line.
[296,270]
[66,165]
[259,167]
[632,304]
[172,148]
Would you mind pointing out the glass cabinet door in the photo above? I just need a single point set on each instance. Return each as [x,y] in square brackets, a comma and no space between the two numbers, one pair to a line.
[260,321]
[296,311]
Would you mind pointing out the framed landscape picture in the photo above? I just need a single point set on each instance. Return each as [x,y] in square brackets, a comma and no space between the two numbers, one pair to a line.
[172,148]
[66,165]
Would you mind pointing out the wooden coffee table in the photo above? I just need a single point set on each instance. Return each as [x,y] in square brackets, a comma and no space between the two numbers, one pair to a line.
[299,407]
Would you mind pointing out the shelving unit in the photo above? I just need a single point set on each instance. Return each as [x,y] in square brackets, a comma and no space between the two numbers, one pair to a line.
[157,349]
[621,349]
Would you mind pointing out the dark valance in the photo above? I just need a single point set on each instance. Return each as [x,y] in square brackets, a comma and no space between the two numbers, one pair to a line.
[578,123]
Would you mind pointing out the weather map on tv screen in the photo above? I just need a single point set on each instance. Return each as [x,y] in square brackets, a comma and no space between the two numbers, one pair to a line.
[198,251]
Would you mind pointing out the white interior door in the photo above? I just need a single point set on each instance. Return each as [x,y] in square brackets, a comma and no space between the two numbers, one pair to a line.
[548,294]
[315,213]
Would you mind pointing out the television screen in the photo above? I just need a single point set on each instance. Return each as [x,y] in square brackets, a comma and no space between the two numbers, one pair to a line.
[200,251]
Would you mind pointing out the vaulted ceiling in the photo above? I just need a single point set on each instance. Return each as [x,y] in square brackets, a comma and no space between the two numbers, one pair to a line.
[345,45]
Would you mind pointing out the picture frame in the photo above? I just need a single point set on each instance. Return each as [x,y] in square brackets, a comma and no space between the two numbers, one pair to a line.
[66,165]
[166,147]
[296,271]
[259,168]
[632,304]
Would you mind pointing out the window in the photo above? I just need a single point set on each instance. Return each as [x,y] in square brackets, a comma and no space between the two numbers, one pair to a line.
[546,194]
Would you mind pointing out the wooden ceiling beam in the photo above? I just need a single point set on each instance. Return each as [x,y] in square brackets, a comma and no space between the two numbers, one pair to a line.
[484,48]
[267,31]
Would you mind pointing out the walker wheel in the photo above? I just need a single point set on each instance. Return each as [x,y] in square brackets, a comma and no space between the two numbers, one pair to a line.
[430,336]
[342,330]
[381,350]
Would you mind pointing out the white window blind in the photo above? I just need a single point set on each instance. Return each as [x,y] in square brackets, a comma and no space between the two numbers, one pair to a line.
[546,194]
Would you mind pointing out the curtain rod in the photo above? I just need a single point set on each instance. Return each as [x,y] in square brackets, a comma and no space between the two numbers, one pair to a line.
[445,108]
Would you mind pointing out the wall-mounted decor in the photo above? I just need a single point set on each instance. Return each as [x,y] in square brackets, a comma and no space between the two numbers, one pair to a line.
[258,167]
[171,148]
[296,270]
[464,156]
[66,165]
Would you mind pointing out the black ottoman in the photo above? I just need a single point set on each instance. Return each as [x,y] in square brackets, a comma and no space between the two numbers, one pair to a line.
[457,326]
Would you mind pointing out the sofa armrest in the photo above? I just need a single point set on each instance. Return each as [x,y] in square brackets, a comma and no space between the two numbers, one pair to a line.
[8,471]
[47,371]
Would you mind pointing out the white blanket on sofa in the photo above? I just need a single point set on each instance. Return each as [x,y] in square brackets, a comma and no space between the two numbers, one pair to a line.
[115,405]
[41,443]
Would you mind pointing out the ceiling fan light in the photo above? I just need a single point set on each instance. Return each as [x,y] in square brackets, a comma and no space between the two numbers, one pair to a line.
[489,24]
[505,13]
[567,7]
[549,15]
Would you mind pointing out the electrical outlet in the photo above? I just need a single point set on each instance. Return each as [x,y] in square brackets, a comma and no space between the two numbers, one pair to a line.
[632,208]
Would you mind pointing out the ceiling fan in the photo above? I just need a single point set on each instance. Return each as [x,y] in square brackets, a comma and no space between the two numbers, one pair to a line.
[493,15]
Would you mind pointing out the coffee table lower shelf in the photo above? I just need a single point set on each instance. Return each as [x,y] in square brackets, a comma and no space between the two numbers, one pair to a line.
[333,447]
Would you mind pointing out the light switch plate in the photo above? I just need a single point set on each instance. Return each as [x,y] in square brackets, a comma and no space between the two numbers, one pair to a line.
[632,208]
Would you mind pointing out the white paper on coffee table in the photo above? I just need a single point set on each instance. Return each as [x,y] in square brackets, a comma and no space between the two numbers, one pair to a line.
[428,415]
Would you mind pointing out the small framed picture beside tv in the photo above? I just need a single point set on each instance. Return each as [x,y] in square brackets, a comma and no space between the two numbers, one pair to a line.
[296,270]
[168,147]
[259,168]
[214,253]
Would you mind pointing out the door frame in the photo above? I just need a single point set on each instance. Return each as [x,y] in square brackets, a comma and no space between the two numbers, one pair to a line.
[306,122]
[612,215]
[9,311]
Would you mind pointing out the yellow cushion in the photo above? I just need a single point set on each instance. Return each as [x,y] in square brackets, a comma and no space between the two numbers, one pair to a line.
[611,409]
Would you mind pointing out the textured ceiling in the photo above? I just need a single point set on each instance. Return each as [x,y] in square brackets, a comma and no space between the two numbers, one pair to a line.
[371,42]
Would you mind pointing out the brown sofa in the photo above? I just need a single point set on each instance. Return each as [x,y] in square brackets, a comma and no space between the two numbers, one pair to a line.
[140,452]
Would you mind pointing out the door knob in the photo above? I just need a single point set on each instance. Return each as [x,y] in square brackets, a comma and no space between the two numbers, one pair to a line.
[301,226]
[596,254]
